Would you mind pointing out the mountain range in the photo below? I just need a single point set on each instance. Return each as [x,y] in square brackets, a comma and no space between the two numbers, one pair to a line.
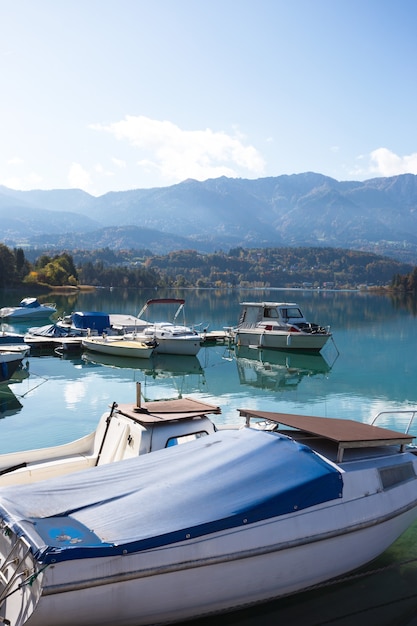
[309,209]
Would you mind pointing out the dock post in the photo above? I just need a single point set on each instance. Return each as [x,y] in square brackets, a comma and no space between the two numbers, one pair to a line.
[138,395]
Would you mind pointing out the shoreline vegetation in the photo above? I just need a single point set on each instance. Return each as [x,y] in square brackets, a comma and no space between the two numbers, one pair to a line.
[305,268]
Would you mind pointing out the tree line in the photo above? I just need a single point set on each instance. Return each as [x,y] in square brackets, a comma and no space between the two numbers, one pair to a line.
[240,267]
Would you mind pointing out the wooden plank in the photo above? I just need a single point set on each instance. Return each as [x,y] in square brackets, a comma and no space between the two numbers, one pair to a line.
[168,410]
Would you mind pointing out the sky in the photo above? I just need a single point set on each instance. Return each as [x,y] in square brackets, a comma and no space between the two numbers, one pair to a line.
[113,95]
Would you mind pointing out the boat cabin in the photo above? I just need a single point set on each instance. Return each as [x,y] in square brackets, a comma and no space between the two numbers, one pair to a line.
[126,431]
[277,313]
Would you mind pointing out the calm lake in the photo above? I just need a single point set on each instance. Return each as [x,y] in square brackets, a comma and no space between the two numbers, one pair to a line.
[368,366]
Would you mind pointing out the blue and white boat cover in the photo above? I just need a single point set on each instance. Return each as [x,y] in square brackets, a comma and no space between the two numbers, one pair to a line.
[94,320]
[225,480]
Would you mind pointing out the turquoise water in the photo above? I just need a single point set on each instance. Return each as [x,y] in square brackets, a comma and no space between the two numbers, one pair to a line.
[369,366]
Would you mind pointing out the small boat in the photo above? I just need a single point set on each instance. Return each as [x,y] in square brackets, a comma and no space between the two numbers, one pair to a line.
[237,517]
[29,308]
[53,337]
[9,363]
[120,346]
[278,326]
[83,323]
[172,338]
[13,342]
[123,432]
[8,338]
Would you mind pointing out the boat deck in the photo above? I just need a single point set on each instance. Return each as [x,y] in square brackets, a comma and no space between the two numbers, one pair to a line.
[167,410]
[346,434]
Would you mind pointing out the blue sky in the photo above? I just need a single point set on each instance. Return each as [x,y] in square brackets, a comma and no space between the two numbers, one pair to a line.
[110,95]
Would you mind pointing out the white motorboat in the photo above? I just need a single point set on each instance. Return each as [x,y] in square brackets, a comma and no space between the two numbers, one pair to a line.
[278,325]
[13,342]
[9,338]
[120,346]
[229,519]
[172,338]
[10,362]
[29,308]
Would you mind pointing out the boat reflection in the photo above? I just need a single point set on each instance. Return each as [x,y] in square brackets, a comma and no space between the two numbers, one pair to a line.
[183,373]
[157,366]
[9,403]
[277,370]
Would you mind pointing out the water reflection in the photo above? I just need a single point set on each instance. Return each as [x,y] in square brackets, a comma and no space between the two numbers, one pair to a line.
[161,364]
[277,370]
[171,367]
[9,403]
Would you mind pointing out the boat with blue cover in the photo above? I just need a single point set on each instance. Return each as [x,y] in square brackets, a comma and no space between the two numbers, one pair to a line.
[232,518]
[29,308]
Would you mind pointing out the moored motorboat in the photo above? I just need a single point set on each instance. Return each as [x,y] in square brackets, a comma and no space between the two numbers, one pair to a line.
[83,323]
[278,326]
[53,337]
[239,516]
[120,346]
[9,338]
[29,308]
[171,337]
[13,342]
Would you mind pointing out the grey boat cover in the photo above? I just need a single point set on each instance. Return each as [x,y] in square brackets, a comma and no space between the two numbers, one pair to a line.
[225,480]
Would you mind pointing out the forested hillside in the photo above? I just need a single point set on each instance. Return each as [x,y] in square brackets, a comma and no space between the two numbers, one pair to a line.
[240,267]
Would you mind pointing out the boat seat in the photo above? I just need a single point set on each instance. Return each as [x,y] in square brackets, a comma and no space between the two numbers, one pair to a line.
[35,471]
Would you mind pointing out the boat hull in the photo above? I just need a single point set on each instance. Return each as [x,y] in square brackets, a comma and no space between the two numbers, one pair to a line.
[122,347]
[234,518]
[171,339]
[181,347]
[28,315]
[193,579]
[280,340]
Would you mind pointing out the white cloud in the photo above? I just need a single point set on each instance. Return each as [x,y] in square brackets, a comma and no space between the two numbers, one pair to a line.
[12,182]
[25,183]
[387,163]
[78,177]
[15,161]
[119,163]
[179,154]
[99,169]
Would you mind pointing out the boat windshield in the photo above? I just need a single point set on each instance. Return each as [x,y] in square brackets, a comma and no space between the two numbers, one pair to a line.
[293,312]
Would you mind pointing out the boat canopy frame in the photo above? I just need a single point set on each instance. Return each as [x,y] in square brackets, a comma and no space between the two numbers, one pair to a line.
[346,434]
